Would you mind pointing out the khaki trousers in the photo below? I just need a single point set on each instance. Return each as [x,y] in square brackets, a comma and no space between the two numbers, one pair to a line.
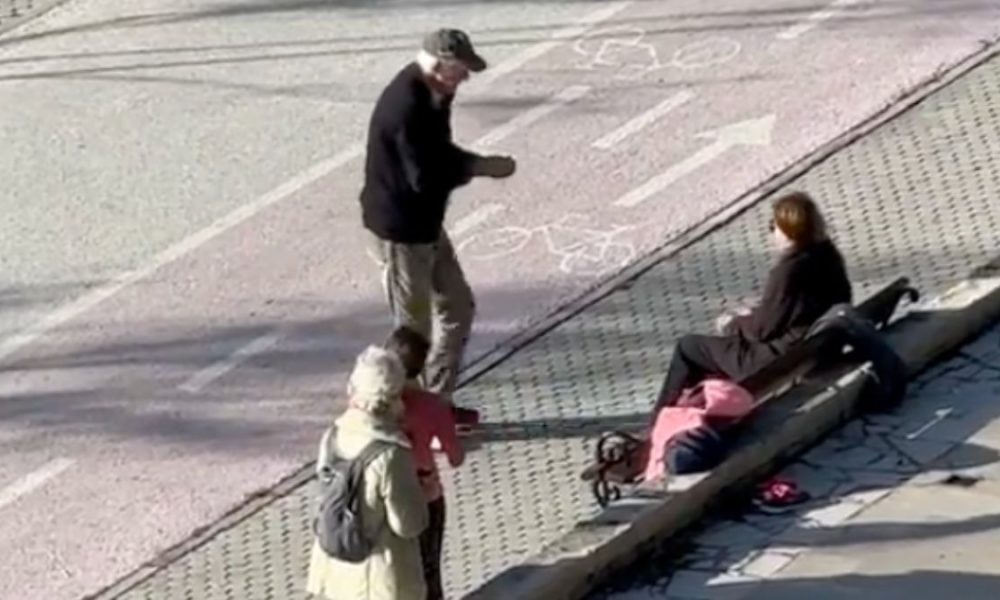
[427,291]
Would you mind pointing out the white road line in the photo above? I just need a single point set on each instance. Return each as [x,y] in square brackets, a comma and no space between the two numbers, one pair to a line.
[815,19]
[202,378]
[752,132]
[101,293]
[528,117]
[87,301]
[34,480]
[667,178]
[644,120]
[475,219]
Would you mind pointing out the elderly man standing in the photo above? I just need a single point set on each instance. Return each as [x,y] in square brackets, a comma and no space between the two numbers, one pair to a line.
[411,168]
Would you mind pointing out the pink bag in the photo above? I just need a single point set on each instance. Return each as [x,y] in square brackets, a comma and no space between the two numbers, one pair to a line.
[714,398]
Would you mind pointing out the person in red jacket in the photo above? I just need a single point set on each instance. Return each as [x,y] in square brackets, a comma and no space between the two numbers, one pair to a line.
[427,417]
[411,167]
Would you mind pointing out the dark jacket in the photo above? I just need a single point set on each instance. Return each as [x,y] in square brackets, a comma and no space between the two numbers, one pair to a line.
[411,166]
[801,287]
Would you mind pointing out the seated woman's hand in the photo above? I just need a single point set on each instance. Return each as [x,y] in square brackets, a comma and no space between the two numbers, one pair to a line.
[724,322]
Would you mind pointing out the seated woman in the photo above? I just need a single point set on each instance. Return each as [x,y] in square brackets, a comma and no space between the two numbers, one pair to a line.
[808,278]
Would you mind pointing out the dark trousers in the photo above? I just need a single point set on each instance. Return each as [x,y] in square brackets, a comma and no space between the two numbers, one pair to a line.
[695,451]
[697,357]
[431,544]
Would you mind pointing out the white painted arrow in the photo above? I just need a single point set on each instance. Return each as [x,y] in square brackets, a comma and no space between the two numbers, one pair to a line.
[939,415]
[752,132]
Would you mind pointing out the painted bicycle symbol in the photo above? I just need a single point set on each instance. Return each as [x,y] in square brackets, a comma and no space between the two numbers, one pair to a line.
[581,249]
[628,52]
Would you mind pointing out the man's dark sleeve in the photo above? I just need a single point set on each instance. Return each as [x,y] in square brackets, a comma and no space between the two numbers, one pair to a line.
[431,161]
[770,318]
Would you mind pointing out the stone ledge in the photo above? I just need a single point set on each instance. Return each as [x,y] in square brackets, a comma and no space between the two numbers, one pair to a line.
[573,565]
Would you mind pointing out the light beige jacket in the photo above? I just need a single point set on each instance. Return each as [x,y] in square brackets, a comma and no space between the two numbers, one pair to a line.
[394,514]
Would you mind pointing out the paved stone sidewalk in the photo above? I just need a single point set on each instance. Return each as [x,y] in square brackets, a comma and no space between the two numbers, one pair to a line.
[917,197]
[905,505]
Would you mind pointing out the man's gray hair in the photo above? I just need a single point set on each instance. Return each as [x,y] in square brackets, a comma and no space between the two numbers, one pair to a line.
[428,62]
[376,383]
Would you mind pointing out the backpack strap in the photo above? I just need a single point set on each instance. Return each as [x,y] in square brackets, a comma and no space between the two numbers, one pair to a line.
[360,462]
[330,455]
[327,456]
[370,453]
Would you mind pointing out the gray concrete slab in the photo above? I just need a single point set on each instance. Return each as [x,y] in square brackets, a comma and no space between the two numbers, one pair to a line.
[920,543]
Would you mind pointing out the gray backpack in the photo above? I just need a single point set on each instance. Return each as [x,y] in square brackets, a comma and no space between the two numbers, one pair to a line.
[338,524]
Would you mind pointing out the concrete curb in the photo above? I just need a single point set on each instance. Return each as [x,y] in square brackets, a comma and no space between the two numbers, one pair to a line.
[572,566]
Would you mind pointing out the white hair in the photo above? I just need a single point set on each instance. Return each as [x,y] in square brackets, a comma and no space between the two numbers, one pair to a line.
[428,62]
[376,383]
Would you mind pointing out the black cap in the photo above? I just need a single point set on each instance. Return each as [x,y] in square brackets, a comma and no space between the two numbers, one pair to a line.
[454,44]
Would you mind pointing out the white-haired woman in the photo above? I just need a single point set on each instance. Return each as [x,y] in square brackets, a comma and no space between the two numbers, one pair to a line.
[394,512]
